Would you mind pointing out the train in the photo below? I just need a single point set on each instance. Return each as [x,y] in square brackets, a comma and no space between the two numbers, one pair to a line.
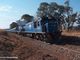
[44,29]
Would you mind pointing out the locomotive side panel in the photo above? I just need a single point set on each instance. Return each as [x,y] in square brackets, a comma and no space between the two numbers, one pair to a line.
[52,27]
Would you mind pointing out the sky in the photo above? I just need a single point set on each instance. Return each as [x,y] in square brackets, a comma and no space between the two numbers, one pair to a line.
[12,10]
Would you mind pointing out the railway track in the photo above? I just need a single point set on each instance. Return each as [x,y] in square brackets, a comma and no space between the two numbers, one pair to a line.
[43,36]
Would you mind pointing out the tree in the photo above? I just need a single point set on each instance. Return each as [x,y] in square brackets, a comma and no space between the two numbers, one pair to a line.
[61,9]
[53,7]
[13,25]
[73,18]
[43,9]
[78,18]
[27,17]
[64,13]
[70,20]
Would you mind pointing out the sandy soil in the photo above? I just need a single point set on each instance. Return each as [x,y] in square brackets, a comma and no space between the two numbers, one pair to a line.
[30,49]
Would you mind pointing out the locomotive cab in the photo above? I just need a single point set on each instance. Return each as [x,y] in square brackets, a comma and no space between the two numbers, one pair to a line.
[51,26]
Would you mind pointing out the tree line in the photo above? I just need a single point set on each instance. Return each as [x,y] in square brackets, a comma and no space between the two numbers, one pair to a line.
[62,12]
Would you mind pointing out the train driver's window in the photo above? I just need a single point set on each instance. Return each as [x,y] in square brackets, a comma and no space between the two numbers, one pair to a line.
[35,24]
[38,23]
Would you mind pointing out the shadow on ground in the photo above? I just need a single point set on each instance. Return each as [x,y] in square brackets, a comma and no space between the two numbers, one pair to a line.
[71,40]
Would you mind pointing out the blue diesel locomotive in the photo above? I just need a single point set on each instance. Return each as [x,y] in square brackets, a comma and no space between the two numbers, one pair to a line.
[44,29]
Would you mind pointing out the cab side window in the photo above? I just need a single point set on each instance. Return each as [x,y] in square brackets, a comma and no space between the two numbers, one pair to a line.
[38,23]
[35,24]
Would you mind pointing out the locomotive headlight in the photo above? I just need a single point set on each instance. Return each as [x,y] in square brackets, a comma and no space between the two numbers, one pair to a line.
[29,26]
